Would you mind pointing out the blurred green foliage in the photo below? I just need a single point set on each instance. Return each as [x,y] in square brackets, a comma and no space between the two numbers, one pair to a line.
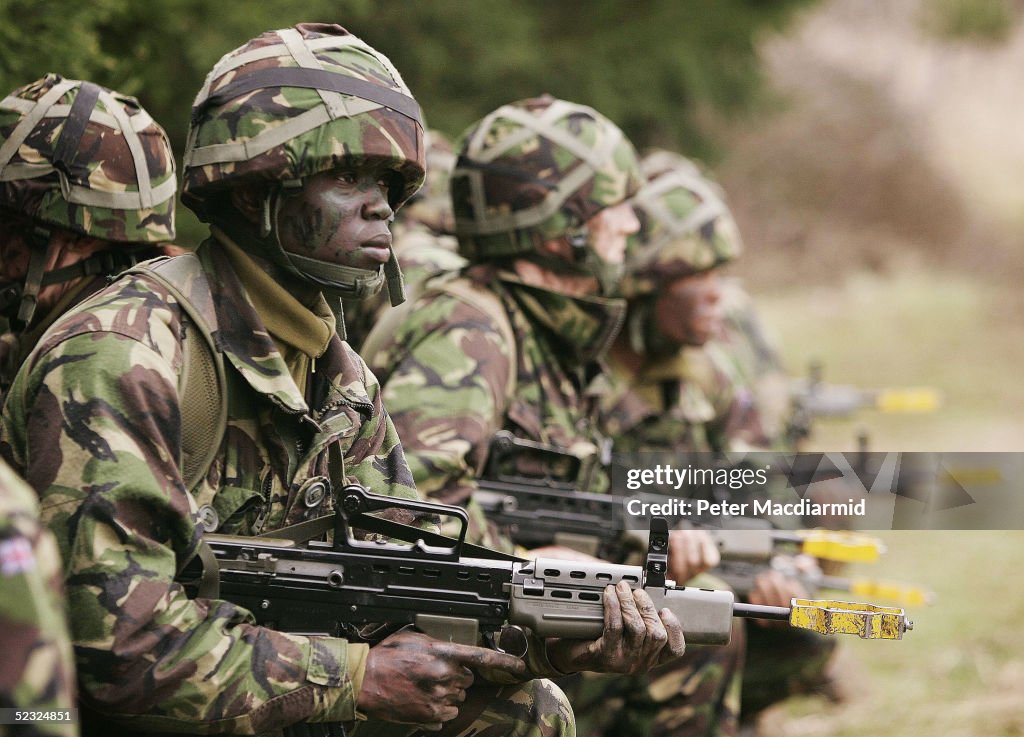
[977,20]
[654,66]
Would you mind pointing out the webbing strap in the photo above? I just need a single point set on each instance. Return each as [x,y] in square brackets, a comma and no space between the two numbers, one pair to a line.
[29,122]
[709,207]
[66,150]
[317,79]
[209,582]
[78,116]
[202,385]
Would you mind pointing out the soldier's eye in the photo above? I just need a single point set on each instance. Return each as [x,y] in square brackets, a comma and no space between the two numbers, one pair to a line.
[347,177]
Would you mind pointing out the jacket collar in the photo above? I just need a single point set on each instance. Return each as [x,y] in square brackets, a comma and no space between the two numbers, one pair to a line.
[585,325]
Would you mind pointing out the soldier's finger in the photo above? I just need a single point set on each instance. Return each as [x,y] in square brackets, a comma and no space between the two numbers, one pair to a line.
[694,552]
[479,657]
[655,636]
[462,679]
[677,555]
[633,629]
[711,555]
[777,588]
[612,615]
[676,639]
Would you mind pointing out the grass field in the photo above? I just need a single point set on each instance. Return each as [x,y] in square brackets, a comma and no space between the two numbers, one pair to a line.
[950,332]
[961,671]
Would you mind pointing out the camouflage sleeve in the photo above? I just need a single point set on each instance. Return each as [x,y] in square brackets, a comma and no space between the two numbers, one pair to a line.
[95,425]
[445,377]
[37,669]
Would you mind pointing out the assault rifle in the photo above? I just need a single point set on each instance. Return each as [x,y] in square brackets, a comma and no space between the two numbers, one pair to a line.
[742,574]
[538,512]
[455,591]
[812,398]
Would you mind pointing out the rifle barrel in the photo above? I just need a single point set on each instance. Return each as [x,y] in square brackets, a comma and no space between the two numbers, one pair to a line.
[760,611]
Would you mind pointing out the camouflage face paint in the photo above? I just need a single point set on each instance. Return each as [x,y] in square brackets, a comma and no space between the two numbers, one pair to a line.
[340,217]
[689,311]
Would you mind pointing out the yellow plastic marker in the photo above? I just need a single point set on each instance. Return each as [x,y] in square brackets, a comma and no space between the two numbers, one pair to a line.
[905,594]
[847,618]
[844,547]
[920,399]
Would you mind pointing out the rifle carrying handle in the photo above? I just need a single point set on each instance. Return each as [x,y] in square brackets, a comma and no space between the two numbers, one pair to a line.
[355,501]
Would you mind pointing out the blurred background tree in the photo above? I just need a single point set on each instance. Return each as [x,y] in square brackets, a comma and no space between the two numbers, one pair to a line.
[655,66]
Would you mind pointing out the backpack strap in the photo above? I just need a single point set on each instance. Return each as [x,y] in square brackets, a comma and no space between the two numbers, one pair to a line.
[202,386]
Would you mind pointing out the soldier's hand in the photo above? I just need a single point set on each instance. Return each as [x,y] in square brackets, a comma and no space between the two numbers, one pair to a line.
[636,637]
[772,588]
[691,552]
[413,678]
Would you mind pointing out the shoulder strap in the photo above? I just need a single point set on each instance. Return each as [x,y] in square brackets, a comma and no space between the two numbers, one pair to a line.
[201,384]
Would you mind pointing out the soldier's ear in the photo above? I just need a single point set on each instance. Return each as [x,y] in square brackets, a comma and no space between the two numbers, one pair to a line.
[557,247]
[249,202]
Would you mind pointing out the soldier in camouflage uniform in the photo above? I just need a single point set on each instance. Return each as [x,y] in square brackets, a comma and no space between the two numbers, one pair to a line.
[303,143]
[671,391]
[515,343]
[86,189]
[679,386]
[37,667]
[700,694]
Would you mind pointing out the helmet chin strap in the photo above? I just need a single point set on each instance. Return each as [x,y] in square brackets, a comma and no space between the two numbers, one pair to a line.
[38,256]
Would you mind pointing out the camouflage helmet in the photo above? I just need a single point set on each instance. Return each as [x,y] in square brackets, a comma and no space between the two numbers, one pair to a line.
[78,156]
[432,205]
[658,161]
[537,170]
[289,105]
[685,228]
[296,102]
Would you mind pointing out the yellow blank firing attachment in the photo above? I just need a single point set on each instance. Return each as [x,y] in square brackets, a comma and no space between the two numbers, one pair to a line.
[922,399]
[844,547]
[905,594]
[847,618]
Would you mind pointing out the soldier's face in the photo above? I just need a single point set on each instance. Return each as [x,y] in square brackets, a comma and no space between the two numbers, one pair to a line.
[688,311]
[610,229]
[341,216]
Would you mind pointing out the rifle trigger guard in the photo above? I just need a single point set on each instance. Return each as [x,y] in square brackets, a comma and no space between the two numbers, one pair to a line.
[510,639]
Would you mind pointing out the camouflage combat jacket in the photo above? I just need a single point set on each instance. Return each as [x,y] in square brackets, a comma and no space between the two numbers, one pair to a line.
[686,403]
[93,421]
[446,378]
[37,667]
